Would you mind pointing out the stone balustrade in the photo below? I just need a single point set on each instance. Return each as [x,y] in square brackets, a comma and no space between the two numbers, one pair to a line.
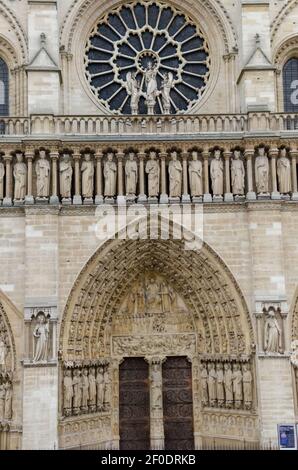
[147,174]
[103,126]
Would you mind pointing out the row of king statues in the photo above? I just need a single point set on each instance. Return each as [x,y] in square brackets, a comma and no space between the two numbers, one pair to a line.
[227,385]
[86,390]
[174,182]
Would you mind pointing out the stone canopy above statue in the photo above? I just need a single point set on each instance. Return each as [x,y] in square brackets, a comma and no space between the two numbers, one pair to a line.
[147,58]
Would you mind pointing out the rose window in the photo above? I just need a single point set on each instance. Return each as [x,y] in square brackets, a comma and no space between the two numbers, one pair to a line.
[131,41]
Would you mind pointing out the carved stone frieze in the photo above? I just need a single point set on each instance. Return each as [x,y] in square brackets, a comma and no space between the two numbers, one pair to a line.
[174,344]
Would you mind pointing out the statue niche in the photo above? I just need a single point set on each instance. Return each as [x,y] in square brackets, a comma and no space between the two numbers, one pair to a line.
[151,306]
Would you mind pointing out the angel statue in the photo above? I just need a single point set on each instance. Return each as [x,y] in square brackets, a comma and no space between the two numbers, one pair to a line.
[134,90]
[151,91]
[166,87]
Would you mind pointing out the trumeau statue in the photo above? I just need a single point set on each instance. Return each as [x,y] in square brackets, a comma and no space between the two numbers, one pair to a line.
[272,333]
[247,386]
[237,385]
[110,176]
[262,171]
[65,176]
[42,169]
[166,87]
[228,385]
[216,170]
[67,392]
[195,175]
[87,170]
[20,177]
[284,172]
[237,172]
[134,90]
[153,171]
[131,175]
[2,173]
[175,175]
[41,333]
[156,386]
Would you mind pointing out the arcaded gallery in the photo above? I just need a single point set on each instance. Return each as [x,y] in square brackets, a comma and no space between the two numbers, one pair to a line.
[148,224]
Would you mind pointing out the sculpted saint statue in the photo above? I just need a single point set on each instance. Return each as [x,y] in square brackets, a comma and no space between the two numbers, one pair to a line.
[85,390]
[20,177]
[2,399]
[195,175]
[272,333]
[8,400]
[42,170]
[175,175]
[100,388]
[87,170]
[204,378]
[212,384]
[284,172]
[65,176]
[3,351]
[110,175]
[151,85]
[41,333]
[237,385]
[228,385]
[237,171]
[166,87]
[153,296]
[216,170]
[2,173]
[92,388]
[134,90]
[247,386]
[156,386]
[67,393]
[77,391]
[262,171]
[131,175]
[220,385]
[152,169]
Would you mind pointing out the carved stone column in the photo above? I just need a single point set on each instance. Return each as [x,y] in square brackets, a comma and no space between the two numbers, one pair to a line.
[77,199]
[157,437]
[7,201]
[120,197]
[228,197]
[248,154]
[114,364]
[142,196]
[273,153]
[185,195]
[29,155]
[293,155]
[163,197]
[99,193]
[207,195]
[197,408]
[54,156]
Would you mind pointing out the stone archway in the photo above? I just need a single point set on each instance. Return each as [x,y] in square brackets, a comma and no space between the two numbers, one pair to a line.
[153,299]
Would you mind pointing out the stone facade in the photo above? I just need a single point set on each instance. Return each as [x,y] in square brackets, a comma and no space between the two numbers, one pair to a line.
[74,305]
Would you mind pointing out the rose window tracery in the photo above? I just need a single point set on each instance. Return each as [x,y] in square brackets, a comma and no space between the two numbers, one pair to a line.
[139,37]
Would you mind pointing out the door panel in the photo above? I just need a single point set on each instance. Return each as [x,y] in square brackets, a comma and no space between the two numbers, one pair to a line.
[134,404]
[177,404]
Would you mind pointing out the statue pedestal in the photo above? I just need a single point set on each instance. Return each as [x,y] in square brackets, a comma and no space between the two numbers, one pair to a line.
[228,197]
[163,199]
[41,200]
[217,198]
[18,202]
[294,197]
[239,198]
[197,199]
[285,197]
[54,200]
[88,201]
[66,201]
[152,200]
[251,196]
[77,200]
[186,198]
[7,201]
[109,200]
[121,200]
[98,200]
[142,198]
[174,200]
[263,196]
[275,195]
[207,197]
[29,200]
[130,198]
